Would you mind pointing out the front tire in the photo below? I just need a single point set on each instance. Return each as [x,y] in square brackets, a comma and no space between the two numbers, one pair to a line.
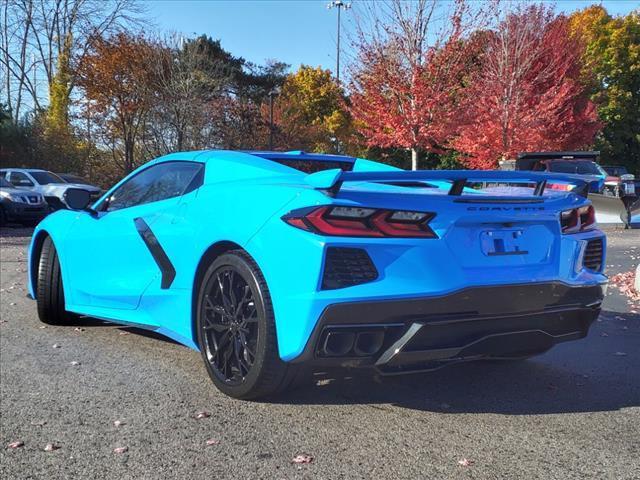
[236,329]
[49,289]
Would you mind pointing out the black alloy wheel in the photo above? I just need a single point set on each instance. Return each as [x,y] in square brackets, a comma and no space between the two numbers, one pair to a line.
[236,329]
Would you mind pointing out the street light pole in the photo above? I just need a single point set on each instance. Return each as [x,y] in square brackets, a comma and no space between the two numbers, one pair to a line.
[339,4]
[272,93]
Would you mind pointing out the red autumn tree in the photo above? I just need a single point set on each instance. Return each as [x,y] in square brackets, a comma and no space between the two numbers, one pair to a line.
[526,96]
[408,74]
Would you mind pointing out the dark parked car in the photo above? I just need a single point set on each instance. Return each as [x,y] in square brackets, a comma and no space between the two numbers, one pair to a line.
[578,163]
[20,206]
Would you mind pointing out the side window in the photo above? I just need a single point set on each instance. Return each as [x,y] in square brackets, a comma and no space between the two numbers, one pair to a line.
[19,179]
[539,167]
[3,175]
[159,182]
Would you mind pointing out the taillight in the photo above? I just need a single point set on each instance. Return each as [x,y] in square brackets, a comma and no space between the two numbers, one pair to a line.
[362,222]
[578,219]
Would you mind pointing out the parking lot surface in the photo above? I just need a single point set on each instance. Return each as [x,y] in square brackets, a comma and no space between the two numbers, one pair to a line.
[573,412]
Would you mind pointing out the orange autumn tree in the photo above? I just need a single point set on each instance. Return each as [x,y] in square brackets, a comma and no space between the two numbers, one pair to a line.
[118,85]
[527,95]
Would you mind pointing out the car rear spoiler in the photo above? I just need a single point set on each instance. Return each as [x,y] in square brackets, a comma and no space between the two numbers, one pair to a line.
[331,181]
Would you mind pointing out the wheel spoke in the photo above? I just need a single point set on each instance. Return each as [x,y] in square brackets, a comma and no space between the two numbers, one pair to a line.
[247,350]
[216,327]
[232,294]
[239,360]
[224,294]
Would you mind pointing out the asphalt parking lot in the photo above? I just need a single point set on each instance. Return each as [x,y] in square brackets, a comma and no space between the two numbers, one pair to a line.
[571,413]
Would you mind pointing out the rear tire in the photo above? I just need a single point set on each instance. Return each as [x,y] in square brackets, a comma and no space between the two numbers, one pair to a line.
[236,329]
[49,289]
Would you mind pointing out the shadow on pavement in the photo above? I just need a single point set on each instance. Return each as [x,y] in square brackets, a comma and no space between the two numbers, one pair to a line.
[578,377]
[83,321]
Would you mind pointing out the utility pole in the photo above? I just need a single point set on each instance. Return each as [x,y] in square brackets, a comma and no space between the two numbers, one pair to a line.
[340,5]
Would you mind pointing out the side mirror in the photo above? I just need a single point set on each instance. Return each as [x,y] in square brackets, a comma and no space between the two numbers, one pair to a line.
[77,199]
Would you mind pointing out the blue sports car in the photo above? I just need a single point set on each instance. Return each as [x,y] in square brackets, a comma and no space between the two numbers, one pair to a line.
[269,262]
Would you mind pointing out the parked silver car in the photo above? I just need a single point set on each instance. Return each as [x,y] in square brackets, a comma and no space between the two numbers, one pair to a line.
[48,184]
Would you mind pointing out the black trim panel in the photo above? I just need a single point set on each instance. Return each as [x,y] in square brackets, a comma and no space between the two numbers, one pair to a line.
[496,307]
[157,252]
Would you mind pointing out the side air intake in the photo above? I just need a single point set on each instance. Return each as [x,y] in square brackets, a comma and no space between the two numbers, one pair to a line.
[345,267]
[593,255]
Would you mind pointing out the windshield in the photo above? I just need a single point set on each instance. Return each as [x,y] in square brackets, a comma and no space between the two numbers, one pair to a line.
[4,183]
[45,178]
[616,171]
[582,167]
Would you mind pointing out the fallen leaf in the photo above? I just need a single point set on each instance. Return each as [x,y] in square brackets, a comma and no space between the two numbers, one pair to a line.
[465,462]
[50,447]
[624,282]
[55,345]
[12,303]
[120,449]
[200,415]
[16,444]
[43,326]
[118,423]
[39,423]
[79,329]
[123,333]
[620,354]
[212,441]
[604,334]
[302,458]
[74,363]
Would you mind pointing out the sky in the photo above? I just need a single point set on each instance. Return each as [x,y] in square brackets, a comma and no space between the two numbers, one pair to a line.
[293,31]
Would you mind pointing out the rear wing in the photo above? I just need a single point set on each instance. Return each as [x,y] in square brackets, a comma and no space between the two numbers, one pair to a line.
[331,181]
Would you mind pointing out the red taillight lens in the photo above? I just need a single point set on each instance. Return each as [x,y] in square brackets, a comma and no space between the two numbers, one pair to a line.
[578,219]
[362,222]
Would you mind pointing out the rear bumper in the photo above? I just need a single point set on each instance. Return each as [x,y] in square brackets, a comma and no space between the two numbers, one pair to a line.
[401,336]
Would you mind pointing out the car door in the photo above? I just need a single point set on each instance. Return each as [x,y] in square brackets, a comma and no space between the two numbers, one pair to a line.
[112,256]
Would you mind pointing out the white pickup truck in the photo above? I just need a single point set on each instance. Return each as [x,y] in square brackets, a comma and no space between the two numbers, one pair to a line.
[48,184]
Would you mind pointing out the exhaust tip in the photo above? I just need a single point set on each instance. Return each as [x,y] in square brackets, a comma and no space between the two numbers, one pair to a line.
[368,343]
[338,344]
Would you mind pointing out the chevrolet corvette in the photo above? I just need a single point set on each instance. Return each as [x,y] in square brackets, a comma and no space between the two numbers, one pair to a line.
[270,263]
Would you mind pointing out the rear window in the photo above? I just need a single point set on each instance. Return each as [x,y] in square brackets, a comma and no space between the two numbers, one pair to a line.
[313,166]
[579,167]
